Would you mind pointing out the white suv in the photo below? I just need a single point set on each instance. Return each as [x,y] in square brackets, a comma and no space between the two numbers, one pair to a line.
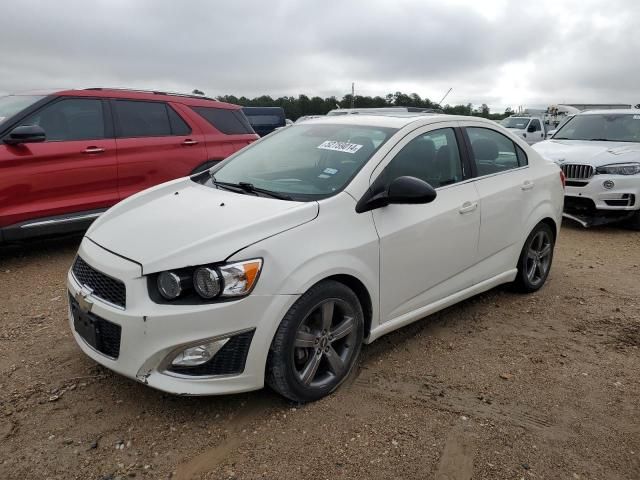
[278,263]
[599,153]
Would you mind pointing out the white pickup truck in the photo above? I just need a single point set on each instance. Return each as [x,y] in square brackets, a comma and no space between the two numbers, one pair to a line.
[599,153]
[531,129]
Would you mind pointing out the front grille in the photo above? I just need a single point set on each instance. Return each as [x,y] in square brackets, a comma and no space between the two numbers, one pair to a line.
[104,336]
[229,360]
[577,172]
[627,200]
[101,285]
[579,205]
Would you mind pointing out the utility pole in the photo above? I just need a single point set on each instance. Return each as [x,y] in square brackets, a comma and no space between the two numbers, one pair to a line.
[353,94]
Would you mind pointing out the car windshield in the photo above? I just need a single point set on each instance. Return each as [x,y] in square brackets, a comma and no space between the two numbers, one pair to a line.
[12,104]
[616,127]
[515,122]
[303,162]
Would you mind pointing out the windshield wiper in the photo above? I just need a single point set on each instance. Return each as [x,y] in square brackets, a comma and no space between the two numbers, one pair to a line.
[250,188]
[599,140]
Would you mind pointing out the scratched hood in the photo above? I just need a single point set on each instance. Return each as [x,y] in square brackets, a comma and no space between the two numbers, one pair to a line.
[587,152]
[183,223]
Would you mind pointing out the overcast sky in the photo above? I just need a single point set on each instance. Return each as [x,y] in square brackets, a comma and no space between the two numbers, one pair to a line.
[503,53]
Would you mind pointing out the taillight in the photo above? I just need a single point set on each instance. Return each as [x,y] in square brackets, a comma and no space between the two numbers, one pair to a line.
[563,179]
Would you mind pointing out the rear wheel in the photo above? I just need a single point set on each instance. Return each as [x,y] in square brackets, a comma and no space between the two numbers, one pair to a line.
[317,343]
[535,259]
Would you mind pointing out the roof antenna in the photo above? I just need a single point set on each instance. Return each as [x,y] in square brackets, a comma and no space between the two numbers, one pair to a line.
[197,92]
[445,96]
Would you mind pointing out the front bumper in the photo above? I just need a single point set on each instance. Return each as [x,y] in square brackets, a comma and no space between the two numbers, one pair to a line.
[151,333]
[592,203]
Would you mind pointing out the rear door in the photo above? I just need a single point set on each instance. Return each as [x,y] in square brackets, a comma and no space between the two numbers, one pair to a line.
[155,144]
[74,170]
[425,249]
[504,184]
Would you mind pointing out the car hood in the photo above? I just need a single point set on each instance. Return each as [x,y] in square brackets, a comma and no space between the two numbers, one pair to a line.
[588,152]
[183,223]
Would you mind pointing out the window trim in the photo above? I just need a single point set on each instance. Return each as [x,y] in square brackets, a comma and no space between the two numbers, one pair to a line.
[118,126]
[474,167]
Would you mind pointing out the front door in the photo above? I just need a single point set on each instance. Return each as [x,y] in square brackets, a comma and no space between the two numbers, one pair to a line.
[425,249]
[74,170]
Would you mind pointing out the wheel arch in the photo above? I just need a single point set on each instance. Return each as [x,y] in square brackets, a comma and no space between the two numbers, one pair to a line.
[363,296]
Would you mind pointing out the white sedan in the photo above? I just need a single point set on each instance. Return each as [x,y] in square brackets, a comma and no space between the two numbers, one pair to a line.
[278,263]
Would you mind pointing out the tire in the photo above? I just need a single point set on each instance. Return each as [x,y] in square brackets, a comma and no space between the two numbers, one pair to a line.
[308,360]
[535,259]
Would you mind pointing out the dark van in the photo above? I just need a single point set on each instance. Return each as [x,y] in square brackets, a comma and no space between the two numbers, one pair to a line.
[265,120]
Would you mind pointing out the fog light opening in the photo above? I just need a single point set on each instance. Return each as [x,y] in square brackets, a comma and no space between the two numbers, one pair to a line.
[199,354]
[608,184]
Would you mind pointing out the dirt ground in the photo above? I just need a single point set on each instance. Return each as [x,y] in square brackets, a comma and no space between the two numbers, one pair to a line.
[502,386]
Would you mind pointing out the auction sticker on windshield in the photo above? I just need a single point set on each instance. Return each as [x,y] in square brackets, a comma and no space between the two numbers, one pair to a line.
[340,146]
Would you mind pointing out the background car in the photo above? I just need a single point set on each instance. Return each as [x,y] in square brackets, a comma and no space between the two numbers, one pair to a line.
[279,262]
[265,120]
[531,129]
[66,156]
[599,153]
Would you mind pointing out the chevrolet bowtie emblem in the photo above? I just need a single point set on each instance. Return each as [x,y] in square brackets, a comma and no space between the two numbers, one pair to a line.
[81,297]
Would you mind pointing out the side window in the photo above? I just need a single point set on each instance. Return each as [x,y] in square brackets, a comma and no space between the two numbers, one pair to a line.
[536,125]
[492,151]
[230,122]
[142,119]
[70,119]
[433,157]
[178,125]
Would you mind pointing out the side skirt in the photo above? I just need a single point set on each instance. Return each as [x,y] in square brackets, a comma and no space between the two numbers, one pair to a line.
[45,226]
[434,307]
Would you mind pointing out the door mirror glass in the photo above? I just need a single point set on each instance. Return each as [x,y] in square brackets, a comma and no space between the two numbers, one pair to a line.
[531,128]
[402,190]
[26,134]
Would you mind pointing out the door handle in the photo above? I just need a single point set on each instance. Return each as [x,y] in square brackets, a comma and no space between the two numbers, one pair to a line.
[93,150]
[527,185]
[468,207]
[188,142]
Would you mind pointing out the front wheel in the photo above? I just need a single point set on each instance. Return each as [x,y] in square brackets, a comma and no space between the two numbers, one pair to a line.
[317,343]
[535,259]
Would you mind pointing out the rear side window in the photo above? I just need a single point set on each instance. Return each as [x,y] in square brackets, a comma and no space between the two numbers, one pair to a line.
[231,122]
[70,119]
[148,119]
[178,125]
[494,152]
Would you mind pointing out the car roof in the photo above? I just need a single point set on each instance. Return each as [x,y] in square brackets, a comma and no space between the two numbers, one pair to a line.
[394,120]
[628,111]
[124,93]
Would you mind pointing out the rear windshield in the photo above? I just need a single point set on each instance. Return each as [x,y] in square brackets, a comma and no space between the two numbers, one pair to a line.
[231,122]
[12,104]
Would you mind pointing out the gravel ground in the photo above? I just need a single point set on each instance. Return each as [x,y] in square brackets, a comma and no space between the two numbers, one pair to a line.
[502,386]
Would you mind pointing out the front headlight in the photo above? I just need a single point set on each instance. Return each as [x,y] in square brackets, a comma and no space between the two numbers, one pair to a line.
[207,282]
[620,169]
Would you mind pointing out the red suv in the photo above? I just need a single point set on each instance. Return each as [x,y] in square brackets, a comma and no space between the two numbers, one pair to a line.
[66,157]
